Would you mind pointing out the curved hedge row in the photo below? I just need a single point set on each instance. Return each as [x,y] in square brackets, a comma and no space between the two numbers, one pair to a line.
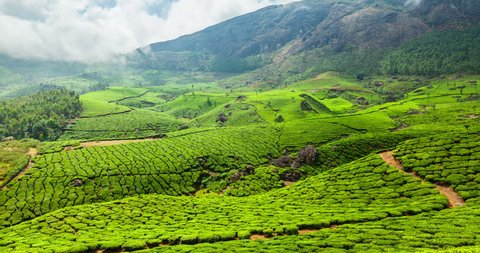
[366,190]
[442,231]
[173,166]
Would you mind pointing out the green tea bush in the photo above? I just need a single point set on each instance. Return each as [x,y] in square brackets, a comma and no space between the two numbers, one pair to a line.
[172,166]
[359,192]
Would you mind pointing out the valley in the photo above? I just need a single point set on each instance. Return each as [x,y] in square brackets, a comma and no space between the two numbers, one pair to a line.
[311,126]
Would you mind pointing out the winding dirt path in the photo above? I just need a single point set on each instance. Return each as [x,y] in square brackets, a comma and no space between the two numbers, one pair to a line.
[32,152]
[453,197]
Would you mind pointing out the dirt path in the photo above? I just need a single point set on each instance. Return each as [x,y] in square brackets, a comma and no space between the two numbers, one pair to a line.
[453,197]
[32,152]
[114,142]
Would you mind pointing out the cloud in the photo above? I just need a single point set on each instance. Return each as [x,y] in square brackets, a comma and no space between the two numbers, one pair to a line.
[413,2]
[97,30]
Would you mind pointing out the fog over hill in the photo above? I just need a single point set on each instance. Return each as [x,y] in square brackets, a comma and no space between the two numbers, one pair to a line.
[96,30]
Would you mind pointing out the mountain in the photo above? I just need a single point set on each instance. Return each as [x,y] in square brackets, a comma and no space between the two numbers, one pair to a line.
[340,29]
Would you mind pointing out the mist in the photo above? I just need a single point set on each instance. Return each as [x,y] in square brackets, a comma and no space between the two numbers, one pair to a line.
[92,31]
[413,2]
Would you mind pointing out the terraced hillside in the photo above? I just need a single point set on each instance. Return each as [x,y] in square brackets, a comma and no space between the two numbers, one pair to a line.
[174,166]
[326,164]
[372,189]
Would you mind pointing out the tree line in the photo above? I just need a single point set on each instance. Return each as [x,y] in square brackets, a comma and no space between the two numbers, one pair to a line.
[41,116]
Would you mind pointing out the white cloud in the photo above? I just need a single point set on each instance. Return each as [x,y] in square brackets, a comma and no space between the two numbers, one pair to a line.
[96,30]
[413,2]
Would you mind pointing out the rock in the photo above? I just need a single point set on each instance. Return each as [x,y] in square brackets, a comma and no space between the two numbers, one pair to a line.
[77,182]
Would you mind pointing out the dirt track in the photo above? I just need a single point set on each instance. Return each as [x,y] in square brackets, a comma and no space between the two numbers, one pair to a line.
[114,142]
[453,197]
[32,152]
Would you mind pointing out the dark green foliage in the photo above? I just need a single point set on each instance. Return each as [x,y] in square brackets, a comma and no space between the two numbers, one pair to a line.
[40,116]
[262,180]
[235,64]
[279,118]
[436,53]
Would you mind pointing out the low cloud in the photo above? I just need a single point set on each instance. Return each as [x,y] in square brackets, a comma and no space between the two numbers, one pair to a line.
[413,2]
[96,30]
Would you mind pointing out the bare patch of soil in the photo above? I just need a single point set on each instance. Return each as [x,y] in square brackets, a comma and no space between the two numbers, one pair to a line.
[390,159]
[288,183]
[69,148]
[473,116]
[114,142]
[258,237]
[454,199]
[32,152]
[307,231]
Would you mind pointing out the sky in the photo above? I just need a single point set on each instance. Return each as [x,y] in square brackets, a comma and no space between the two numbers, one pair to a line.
[92,31]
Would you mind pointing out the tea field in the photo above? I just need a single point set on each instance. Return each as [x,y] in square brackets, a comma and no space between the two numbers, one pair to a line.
[299,168]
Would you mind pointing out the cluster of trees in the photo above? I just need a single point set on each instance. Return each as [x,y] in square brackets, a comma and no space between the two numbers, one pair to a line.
[41,116]
[436,53]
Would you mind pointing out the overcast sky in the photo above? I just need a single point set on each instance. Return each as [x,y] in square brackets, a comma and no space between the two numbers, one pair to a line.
[95,30]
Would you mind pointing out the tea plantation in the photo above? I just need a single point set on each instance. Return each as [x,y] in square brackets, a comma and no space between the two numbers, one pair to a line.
[366,190]
[174,166]
[298,168]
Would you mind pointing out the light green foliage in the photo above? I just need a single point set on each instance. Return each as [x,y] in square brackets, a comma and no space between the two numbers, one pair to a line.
[104,102]
[147,100]
[235,113]
[338,105]
[194,104]
[56,146]
[373,190]
[210,187]
[135,124]
[322,130]
[173,166]
[452,159]
[427,232]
